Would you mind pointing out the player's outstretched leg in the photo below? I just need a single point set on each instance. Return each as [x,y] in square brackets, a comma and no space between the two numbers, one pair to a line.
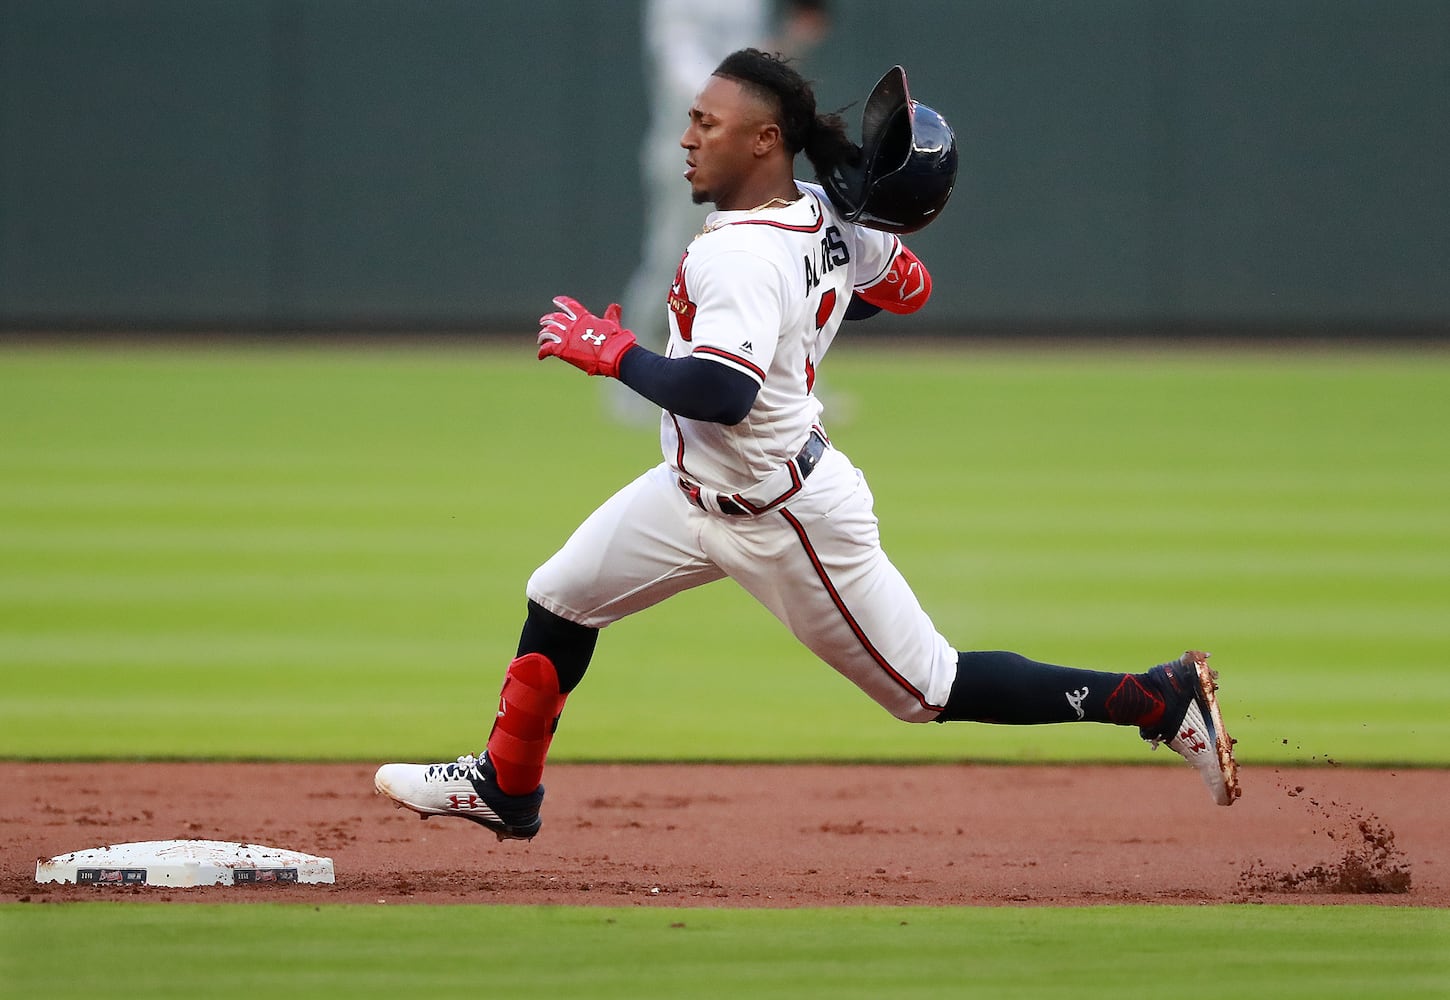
[1174,703]
[1192,725]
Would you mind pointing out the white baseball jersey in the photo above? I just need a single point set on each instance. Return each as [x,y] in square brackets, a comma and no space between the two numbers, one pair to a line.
[764,292]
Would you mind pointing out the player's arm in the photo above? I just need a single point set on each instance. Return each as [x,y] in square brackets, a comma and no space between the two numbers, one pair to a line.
[903,286]
[692,387]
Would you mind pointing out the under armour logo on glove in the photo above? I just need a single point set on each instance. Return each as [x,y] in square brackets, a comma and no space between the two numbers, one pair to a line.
[593,344]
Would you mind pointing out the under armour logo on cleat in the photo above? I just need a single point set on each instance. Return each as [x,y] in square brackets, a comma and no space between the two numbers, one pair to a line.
[1195,742]
[1075,698]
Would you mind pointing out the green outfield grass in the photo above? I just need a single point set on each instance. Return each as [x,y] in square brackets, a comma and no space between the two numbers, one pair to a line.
[280,553]
[91,950]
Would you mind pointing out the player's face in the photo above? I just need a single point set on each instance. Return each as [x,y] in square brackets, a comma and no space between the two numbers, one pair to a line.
[722,142]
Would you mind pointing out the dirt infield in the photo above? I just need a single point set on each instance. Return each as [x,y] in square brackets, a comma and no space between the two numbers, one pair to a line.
[774,836]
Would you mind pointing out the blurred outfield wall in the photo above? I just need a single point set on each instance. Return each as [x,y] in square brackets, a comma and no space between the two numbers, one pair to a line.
[430,164]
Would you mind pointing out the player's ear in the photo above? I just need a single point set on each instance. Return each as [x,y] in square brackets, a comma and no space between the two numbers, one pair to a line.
[767,138]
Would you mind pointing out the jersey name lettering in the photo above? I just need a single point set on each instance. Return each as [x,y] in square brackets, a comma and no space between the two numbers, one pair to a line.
[832,254]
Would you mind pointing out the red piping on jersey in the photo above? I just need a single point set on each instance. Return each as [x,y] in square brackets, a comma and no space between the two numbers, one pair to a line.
[795,487]
[855,626]
[813,228]
[759,372]
[679,446]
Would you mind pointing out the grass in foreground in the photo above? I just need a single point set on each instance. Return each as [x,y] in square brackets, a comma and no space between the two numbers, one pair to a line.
[126,949]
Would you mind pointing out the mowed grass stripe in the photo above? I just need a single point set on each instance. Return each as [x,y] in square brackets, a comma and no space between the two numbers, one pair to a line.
[136,949]
[179,518]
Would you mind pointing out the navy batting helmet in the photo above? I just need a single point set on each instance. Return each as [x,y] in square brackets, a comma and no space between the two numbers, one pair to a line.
[908,163]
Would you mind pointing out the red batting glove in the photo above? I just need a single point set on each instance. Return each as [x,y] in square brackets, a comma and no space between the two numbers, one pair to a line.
[593,344]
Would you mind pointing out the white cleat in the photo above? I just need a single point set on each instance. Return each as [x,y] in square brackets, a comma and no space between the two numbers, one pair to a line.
[1193,725]
[467,789]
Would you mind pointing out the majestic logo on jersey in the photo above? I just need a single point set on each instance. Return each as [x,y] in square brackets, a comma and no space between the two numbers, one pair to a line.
[680,303]
[831,255]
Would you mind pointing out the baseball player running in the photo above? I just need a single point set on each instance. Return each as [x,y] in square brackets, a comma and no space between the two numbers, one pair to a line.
[751,486]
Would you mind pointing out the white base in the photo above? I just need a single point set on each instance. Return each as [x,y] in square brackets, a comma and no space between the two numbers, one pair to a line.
[184,863]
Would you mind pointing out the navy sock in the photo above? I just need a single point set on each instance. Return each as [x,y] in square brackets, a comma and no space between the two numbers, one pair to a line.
[568,646]
[1010,689]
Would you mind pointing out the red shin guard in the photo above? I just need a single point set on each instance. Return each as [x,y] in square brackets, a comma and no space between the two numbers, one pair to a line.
[528,714]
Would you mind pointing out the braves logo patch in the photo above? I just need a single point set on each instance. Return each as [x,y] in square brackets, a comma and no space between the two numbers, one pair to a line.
[680,303]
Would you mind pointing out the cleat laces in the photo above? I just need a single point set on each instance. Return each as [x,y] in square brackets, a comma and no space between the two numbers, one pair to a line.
[466,769]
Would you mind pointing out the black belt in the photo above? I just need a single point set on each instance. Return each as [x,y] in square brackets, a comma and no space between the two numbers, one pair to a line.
[735,505]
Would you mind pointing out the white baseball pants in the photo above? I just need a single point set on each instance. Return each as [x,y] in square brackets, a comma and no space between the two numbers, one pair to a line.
[815,562]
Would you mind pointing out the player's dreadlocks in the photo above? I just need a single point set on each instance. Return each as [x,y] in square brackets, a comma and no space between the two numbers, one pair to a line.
[821,137]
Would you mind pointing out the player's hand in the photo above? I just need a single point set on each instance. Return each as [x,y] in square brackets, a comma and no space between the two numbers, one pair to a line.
[593,344]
